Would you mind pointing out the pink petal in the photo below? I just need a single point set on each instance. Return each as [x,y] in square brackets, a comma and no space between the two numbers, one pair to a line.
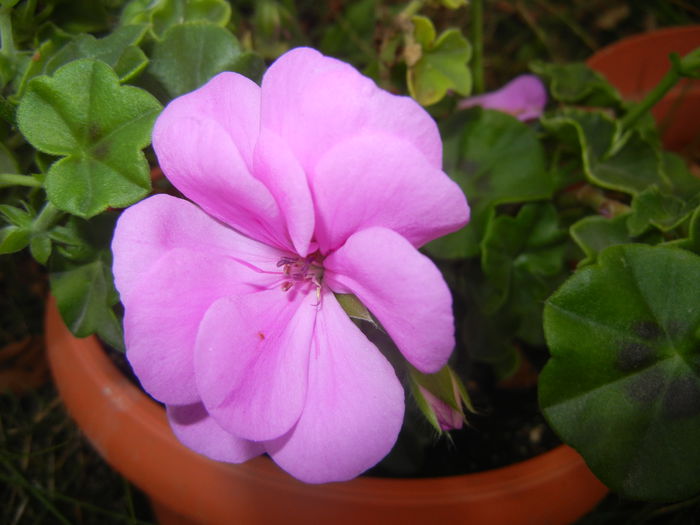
[154,226]
[200,157]
[312,102]
[354,405]
[229,99]
[163,312]
[279,170]
[381,180]
[251,361]
[402,288]
[523,97]
[196,429]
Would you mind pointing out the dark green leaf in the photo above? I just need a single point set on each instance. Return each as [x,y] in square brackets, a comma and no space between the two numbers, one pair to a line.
[100,127]
[595,233]
[169,13]
[627,164]
[623,384]
[517,252]
[577,83]
[119,50]
[496,159]
[84,286]
[190,54]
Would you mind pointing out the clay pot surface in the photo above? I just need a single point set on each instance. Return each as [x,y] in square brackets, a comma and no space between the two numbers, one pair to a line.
[635,65]
[131,432]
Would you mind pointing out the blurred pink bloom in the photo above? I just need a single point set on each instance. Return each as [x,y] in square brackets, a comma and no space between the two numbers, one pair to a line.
[315,183]
[524,97]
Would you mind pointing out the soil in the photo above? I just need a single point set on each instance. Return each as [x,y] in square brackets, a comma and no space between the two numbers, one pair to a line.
[506,428]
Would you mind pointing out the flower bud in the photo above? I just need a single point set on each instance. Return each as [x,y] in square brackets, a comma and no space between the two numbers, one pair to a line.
[441,397]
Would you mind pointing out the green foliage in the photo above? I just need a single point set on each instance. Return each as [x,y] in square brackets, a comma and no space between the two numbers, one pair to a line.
[442,64]
[496,159]
[192,53]
[577,83]
[98,127]
[118,50]
[161,15]
[81,279]
[623,384]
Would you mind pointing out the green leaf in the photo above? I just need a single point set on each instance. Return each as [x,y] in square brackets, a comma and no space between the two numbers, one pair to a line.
[119,50]
[577,83]
[13,239]
[16,216]
[496,159]
[628,164]
[170,13]
[84,285]
[522,252]
[40,248]
[8,163]
[100,127]
[595,233]
[663,211]
[442,65]
[623,384]
[190,54]
[350,35]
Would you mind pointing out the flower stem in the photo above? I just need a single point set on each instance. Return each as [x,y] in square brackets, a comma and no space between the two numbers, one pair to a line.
[656,94]
[11,179]
[7,41]
[477,38]
[47,217]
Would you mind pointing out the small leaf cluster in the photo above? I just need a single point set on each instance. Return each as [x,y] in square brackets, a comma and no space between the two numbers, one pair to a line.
[583,240]
[80,94]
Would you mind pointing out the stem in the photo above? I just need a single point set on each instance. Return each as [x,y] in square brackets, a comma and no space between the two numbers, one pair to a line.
[10,179]
[7,41]
[47,217]
[477,38]
[411,9]
[656,94]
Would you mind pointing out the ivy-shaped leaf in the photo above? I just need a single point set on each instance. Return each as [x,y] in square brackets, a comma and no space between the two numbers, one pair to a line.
[629,164]
[595,233]
[82,282]
[667,205]
[190,54]
[119,50]
[517,252]
[442,65]
[496,159]
[99,127]
[164,14]
[623,384]
[577,83]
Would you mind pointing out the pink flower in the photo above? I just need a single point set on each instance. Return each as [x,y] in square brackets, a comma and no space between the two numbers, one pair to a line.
[315,183]
[524,97]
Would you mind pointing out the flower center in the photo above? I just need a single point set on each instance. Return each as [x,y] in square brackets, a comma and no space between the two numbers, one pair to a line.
[302,271]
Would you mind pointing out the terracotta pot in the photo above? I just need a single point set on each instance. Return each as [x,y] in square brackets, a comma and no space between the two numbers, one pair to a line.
[635,65]
[131,432]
